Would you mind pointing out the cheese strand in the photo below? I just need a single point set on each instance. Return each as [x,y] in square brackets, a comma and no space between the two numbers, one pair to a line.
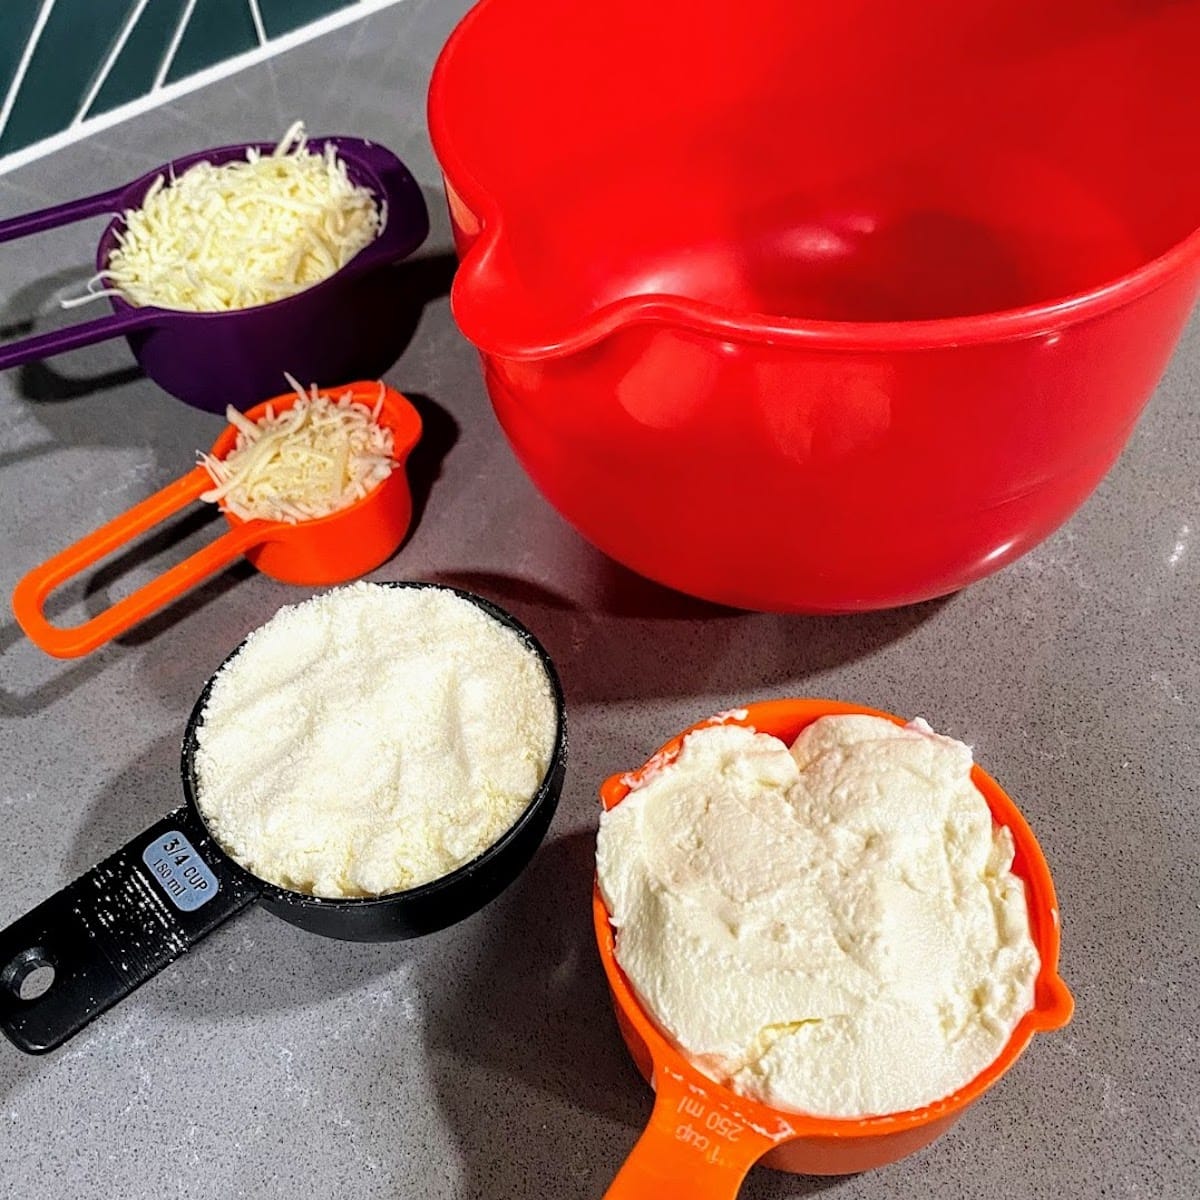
[241,234]
[319,456]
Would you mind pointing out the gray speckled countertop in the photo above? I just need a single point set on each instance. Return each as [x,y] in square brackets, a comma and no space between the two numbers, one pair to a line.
[482,1062]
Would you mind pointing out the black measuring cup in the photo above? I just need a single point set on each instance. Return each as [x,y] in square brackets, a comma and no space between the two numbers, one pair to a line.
[136,912]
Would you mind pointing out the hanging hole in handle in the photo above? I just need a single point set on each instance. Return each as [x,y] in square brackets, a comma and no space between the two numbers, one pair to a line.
[30,975]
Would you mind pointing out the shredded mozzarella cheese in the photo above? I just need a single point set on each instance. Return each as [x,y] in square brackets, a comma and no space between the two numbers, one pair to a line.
[242,234]
[320,455]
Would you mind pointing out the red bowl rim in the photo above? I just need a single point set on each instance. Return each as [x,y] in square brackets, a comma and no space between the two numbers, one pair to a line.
[1040,319]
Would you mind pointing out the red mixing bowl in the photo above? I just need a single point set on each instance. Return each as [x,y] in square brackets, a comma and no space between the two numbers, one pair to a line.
[818,307]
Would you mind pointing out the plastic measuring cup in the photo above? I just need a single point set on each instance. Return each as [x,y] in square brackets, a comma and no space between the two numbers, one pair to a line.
[122,922]
[332,549]
[344,327]
[703,1138]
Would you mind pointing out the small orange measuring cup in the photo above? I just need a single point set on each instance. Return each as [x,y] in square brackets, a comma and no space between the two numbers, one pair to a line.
[703,1138]
[327,550]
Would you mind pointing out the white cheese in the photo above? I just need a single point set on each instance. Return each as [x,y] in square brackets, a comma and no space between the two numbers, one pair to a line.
[834,929]
[371,739]
[243,233]
[318,456]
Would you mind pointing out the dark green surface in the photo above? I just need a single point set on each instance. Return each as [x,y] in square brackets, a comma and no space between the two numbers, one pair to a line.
[282,16]
[72,46]
[133,73]
[218,29]
[80,33]
[16,21]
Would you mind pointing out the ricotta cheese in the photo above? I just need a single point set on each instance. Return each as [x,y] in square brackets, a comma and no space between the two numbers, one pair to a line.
[833,929]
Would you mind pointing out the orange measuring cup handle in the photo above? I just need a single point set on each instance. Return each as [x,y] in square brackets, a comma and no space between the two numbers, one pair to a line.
[31,592]
[695,1146]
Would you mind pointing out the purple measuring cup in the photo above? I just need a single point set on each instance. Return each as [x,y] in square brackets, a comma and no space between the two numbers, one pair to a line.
[345,327]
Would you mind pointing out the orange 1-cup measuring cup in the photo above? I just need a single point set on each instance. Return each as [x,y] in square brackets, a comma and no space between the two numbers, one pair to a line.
[703,1138]
[327,550]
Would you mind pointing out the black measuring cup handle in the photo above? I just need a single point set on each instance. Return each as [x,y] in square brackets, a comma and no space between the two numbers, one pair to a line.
[113,928]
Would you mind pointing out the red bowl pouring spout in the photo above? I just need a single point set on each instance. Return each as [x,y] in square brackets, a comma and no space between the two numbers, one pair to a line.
[702,1138]
[904,286]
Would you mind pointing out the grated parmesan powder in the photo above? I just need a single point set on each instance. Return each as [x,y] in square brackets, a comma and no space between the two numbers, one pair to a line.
[372,739]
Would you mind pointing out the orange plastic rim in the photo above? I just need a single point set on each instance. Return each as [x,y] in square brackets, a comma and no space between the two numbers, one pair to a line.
[396,414]
[1052,1006]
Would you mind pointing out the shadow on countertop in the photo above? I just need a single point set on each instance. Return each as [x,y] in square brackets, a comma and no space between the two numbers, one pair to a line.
[526,1062]
[666,641]
[765,1184]
[16,704]
[142,792]
[15,1068]
[659,634]
[34,309]
[91,592]
[523,1049]
[439,433]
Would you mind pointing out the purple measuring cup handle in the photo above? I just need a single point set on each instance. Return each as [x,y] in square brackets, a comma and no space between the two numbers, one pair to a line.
[59,341]
[61,214]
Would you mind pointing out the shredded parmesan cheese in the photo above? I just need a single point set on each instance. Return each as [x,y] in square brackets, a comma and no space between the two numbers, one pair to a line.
[320,455]
[241,234]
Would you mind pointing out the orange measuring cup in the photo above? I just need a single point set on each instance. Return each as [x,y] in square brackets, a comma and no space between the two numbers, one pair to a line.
[703,1138]
[327,550]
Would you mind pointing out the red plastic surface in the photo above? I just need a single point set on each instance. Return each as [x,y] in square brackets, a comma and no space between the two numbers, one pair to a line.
[821,307]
